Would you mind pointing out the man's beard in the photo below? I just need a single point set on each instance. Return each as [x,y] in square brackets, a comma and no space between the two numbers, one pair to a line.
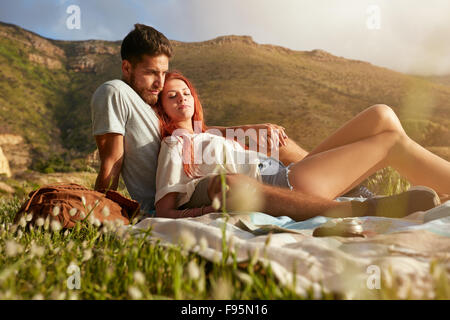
[145,94]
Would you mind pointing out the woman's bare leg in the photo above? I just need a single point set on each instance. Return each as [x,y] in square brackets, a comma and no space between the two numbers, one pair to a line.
[370,122]
[330,173]
[290,153]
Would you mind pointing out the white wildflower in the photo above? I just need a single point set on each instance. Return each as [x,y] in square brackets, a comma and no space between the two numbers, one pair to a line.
[87,254]
[118,223]
[56,211]
[89,207]
[387,279]
[255,256]
[73,296]
[193,270]
[231,242]
[23,222]
[216,203]
[82,215]
[91,219]
[120,232]
[83,199]
[38,296]
[317,291]
[73,212]
[203,243]
[12,248]
[55,225]
[19,234]
[222,289]
[139,277]
[403,286]
[29,217]
[105,211]
[70,245]
[36,250]
[134,293]
[66,233]
[97,223]
[108,226]
[47,223]
[244,277]
[135,220]
[187,239]
[57,295]
[40,222]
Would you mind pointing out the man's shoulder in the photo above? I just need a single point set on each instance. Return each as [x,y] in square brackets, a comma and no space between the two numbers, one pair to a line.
[115,90]
[113,86]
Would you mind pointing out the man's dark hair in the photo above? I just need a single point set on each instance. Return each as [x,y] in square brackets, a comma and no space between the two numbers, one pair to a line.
[144,40]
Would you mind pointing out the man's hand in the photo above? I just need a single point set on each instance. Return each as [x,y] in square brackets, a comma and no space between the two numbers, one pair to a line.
[271,135]
[276,135]
[110,147]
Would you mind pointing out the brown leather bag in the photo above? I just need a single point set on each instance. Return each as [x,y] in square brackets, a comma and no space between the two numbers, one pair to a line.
[74,203]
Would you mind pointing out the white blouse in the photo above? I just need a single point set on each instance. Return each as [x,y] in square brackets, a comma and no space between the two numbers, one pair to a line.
[212,154]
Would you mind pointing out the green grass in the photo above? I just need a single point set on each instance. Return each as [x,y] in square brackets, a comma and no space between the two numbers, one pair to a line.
[114,265]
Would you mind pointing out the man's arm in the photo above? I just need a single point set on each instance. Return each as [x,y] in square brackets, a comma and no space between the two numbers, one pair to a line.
[110,147]
[269,127]
[288,152]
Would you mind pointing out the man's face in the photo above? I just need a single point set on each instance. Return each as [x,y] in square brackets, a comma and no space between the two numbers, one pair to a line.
[147,76]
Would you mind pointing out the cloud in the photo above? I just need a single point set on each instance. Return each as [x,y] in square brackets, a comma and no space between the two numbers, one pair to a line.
[413,36]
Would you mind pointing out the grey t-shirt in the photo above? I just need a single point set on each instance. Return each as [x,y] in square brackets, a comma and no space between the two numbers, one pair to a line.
[117,108]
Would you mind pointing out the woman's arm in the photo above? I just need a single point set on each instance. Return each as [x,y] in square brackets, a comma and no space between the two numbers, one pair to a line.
[166,208]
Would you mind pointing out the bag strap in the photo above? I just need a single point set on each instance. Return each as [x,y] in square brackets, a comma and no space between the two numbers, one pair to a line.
[131,207]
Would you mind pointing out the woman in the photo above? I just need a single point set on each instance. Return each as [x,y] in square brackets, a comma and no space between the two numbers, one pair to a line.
[333,168]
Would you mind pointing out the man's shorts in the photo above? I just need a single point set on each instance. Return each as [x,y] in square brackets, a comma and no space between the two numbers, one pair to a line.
[273,172]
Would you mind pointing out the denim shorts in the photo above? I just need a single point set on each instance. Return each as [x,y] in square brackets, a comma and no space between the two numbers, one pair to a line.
[274,172]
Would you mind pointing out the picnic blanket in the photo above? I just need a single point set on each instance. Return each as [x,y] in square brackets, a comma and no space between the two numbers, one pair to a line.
[400,255]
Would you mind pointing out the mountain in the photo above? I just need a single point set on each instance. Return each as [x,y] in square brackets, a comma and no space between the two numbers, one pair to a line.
[441,79]
[46,86]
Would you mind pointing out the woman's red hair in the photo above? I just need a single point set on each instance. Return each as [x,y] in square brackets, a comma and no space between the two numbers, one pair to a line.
[167,126]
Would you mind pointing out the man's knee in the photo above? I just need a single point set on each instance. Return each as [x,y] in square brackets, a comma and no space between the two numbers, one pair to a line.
[215,183]
[232,181]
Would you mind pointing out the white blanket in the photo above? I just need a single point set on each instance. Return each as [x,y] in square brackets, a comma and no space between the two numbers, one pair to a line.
[399,255]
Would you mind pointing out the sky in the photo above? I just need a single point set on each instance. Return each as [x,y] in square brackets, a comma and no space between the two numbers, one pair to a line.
[410,36]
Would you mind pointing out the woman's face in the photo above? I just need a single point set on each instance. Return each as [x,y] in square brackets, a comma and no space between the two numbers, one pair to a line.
[177,100]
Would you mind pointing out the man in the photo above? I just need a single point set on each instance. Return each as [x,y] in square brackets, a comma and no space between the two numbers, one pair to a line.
[126,131]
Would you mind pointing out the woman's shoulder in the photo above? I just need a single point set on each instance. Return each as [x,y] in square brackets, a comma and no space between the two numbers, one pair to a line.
[171,141]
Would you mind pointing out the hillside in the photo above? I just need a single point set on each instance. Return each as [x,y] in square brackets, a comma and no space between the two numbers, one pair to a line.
[46,85]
